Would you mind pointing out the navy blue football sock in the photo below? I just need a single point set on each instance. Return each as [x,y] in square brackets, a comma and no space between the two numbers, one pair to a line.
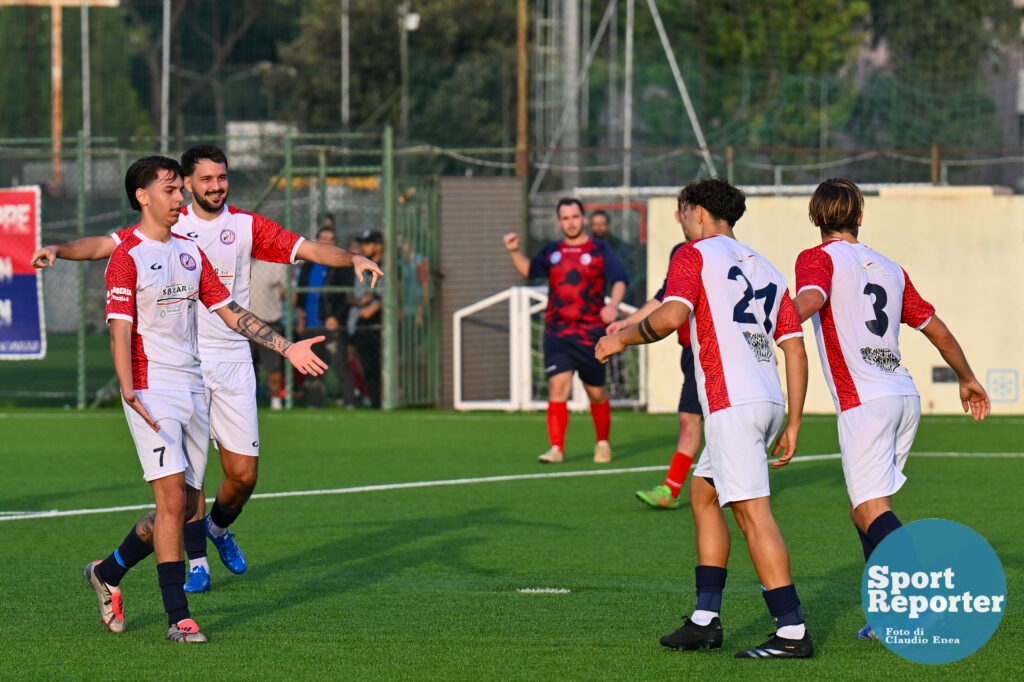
[223,516]
[132,551]
[784,605]
[195,539]
[865,543]
[882,526]
[171,575]
[710,583]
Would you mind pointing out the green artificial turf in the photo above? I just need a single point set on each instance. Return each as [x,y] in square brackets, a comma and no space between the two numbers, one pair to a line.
[421,582]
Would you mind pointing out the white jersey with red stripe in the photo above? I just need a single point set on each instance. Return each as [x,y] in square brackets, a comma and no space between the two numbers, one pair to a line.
[155,286]
[867,296]
[231,241]
[740,305]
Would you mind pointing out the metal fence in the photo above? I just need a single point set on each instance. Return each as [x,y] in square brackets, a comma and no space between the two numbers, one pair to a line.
[296,180]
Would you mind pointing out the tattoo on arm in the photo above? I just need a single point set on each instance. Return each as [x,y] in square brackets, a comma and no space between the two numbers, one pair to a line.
[647,332]
[252,327]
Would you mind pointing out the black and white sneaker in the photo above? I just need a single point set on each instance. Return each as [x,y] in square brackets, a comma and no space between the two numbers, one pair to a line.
[780,647]
[692,636]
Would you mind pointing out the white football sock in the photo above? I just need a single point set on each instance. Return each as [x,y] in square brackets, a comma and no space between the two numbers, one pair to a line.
[703,617]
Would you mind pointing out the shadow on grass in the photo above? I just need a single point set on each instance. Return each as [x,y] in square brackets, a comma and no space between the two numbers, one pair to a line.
[354,562]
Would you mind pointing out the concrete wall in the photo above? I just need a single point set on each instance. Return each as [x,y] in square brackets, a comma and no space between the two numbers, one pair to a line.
[963,248]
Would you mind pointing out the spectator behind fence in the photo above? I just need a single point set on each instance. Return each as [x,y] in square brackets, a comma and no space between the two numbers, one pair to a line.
[267,286]
[364,321]
[601,227]
[322,313]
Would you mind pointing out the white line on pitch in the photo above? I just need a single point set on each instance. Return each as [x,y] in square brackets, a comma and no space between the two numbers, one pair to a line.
[57,513]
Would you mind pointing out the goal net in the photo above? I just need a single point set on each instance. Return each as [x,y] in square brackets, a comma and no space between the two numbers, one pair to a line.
[499,357]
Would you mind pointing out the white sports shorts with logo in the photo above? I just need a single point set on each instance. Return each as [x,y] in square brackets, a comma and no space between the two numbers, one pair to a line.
[183,440]
[231,389]
[735,451]
[875,439]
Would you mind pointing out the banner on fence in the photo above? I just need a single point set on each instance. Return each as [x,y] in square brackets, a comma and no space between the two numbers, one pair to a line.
[22,332]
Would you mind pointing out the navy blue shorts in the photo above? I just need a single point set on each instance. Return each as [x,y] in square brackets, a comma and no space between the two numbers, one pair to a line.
[688,401]
[563,355]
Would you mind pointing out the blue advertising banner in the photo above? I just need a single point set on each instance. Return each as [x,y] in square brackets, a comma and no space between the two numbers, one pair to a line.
[22,324]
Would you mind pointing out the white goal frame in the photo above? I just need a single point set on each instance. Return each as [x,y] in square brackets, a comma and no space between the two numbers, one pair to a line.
[523,303]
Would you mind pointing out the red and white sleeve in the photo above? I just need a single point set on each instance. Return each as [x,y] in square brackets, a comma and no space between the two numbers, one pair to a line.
[212,293]
[788,324]
[683,283]
[121,279]
[273,243]
[814,271]
[917,312]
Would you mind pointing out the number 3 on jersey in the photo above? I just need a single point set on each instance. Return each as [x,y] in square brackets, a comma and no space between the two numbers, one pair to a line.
[880,324]
[741,312]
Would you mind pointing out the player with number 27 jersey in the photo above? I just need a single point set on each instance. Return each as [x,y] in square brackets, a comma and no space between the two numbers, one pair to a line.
[740,305]
[867,296]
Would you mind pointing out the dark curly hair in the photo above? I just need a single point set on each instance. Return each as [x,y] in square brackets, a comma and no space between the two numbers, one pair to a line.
[717,197]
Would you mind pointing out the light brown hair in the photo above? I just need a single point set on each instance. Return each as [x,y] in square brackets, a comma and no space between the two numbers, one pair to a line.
[836,205]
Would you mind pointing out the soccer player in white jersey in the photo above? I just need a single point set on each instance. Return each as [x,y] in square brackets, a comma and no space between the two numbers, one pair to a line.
[154,279]
[740,305]
[858,299]
[231,238]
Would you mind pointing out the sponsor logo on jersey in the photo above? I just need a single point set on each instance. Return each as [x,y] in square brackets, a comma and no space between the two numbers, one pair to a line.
[585,259]
[227,236]
[155,266]
[556,258]
[192,235]
[172,293]
[225,272]
[760,345]
[187,261]
[119,294]
[882,358]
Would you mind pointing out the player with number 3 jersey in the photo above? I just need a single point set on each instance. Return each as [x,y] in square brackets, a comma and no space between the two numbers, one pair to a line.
[858,298]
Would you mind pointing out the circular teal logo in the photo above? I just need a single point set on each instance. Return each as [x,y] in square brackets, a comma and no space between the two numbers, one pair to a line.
[934,591]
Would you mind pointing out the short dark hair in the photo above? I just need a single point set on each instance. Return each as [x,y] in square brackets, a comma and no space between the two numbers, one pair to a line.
[144,171]
[200,152]
[717,197]
[601,212]
[569,201]
[836,205]
[325,228]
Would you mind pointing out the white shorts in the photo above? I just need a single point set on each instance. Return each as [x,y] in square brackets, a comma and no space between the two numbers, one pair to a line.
[231,389]
[735,451]
[875,439]
[183,441]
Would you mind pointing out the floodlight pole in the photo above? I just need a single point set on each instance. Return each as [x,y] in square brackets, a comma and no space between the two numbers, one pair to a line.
[345,77]
[57,69]
[165,78]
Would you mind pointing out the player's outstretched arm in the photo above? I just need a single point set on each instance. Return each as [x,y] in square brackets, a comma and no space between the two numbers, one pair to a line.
[665,319]
[796,389]
[336,257]
[521,262]
[86,248]
[300,354]
[972,395]
[120,350]
[634,318]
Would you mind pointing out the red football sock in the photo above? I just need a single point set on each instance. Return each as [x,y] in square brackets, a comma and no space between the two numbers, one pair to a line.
[602,414]
[677,471]
[558,420]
